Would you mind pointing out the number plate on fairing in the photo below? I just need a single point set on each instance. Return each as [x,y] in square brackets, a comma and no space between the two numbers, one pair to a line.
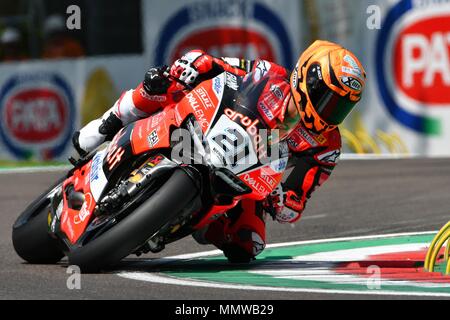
[231,146]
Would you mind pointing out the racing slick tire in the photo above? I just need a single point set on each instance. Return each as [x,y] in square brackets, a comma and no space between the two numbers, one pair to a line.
[134,230]
[30,236]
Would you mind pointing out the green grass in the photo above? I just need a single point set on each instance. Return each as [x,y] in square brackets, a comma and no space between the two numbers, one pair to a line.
[7,164]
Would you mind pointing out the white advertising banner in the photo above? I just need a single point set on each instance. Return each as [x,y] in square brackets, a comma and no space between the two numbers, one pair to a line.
[405,48]
[268,29]
[404,45]
[43,103]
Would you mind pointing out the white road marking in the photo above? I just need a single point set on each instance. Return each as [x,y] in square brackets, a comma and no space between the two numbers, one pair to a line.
[314,217]
[388,156]
[357,254]
[154,278]
[210,253]
[343,157]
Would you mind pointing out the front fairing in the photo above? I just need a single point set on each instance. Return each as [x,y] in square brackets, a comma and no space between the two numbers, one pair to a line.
[242,142]
[234,134]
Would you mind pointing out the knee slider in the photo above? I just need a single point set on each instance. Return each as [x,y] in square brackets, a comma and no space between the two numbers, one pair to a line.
[237,254]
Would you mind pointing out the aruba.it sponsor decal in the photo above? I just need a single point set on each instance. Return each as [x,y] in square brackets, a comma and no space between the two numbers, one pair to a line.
[417,78]
[37,115]
[218,37]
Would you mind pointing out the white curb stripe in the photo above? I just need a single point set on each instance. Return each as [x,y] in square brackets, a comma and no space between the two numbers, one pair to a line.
[287,244]
[389,156]
[148,277]
[344,157]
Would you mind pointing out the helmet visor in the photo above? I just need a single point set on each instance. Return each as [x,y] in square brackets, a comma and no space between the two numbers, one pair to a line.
[329,105]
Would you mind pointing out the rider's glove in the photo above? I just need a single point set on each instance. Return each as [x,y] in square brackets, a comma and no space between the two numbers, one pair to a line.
[191,65]
[155,82]
[284,206]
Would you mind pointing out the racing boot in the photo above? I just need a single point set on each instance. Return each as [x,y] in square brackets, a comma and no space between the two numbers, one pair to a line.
[95,133]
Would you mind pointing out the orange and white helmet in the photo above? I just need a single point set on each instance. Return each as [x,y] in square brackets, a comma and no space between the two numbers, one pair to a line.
[326,83]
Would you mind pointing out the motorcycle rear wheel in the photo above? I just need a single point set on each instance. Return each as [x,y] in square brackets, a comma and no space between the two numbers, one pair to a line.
[30,236]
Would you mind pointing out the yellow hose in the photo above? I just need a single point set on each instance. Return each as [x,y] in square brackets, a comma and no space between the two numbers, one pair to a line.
[433,244]
[352,141]
[367,139]
[448,268]
[387,140]
[400,143]
[447,250]
[437,249]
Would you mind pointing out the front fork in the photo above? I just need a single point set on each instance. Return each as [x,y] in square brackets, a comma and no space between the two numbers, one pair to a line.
[152,169]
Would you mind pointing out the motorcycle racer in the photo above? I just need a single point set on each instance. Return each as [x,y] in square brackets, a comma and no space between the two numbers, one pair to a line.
[326,83]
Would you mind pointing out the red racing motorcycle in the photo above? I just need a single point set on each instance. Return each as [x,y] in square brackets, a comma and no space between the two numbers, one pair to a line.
[160,179]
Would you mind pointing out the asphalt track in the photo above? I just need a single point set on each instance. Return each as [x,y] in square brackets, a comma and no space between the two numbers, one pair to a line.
[361,198]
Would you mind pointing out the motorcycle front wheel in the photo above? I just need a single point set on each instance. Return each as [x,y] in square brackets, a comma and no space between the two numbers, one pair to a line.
[134,230]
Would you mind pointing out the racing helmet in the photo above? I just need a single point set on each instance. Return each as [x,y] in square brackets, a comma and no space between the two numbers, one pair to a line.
[326,83]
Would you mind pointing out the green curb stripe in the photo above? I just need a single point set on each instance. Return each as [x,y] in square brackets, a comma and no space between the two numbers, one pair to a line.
[216,269]
[244,278]
[294,251]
